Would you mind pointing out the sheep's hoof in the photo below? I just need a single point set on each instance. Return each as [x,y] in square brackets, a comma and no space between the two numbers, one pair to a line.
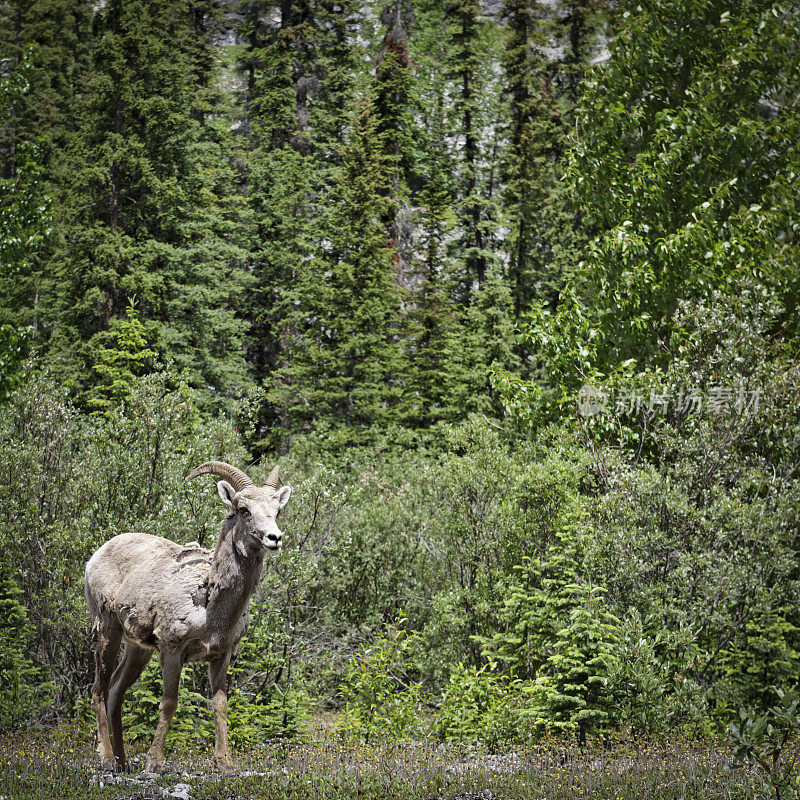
[225,766]
[107,761]
[152,764]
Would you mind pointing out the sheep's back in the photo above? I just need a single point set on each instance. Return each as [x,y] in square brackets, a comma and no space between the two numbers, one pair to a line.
[155,587]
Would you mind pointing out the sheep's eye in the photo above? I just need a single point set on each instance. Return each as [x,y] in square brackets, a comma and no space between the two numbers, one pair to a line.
[245,512]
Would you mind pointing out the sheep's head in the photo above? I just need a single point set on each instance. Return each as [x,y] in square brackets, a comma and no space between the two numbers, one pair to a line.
[256,508]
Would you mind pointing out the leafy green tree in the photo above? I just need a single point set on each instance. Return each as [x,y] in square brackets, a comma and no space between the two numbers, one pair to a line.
[481,704]
[381,693]
[690,126]
[696,162]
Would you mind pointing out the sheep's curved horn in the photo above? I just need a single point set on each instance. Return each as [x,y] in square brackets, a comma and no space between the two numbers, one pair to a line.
[274,479]
[237,478]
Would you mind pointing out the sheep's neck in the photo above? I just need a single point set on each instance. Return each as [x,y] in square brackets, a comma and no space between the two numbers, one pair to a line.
[232,580]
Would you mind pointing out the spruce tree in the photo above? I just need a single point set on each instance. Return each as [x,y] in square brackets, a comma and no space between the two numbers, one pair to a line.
[470,69]
[20,680]
[395,107]
[298,67]
[44,46]
[146,217]
[60,33]
[341,363]
[126,357]
[24,225]
[546,233]
[532,160]
[435,323]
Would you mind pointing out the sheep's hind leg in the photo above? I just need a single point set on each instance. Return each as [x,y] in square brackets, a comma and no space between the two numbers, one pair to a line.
[130,667]
[217,672]
[108,635]
[171,665]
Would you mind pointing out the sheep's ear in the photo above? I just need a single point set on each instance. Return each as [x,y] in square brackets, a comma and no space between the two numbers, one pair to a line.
[283,496]
[226,492]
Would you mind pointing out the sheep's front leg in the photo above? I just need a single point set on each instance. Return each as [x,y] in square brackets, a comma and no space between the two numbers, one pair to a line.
[171,665]
[217,673]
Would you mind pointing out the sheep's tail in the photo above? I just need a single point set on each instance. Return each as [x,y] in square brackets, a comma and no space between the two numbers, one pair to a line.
[91,605]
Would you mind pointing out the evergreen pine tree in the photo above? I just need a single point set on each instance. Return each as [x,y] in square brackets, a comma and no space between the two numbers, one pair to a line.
[18,676]
[395,106]
[435,345]
[298,64]
[127,357]
[146,215]
[532,162]
[24,224]
[45,45]
[342,361]
[470,68]
[60,32]
[571,690]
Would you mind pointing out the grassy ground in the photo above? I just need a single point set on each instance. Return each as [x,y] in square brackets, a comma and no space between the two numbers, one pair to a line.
[322,766]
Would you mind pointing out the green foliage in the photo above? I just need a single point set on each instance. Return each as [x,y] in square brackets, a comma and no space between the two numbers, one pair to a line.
[768,741]
[381,691]
[480,704]
[557,631]
[647,694]
[695,196]
[23,692]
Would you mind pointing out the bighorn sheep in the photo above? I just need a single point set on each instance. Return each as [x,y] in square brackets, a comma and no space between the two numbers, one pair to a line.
[184,601]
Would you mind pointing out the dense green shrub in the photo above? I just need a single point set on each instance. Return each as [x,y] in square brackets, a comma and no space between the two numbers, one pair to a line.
[482,704]
[381,691]
[23,691]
